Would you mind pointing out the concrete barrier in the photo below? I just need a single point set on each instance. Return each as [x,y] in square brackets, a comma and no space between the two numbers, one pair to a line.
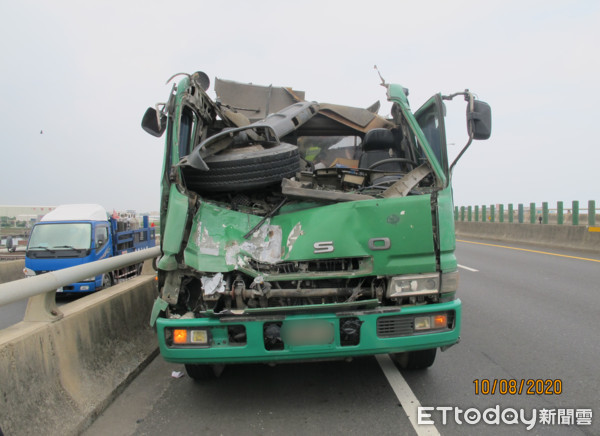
[11,270]
[564,236]
[56,377]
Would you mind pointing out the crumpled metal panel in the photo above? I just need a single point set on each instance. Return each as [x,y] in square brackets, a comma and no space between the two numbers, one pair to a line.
[175,226]
[360,117]
[376,122]
[217,244]
[255,101]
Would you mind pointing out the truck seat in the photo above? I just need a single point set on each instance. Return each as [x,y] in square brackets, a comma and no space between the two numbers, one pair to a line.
[380,144]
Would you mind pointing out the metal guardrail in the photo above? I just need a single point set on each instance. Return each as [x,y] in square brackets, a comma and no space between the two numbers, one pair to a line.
[42,288]
[531,213]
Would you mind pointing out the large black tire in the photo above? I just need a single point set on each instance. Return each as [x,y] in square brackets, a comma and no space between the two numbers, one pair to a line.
[203,372]
[421,359]
[107,281]
[244,168]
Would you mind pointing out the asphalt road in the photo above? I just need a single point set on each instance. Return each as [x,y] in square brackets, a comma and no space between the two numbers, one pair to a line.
[527,315]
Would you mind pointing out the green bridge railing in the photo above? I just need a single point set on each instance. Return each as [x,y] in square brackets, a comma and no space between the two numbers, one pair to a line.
[529,214]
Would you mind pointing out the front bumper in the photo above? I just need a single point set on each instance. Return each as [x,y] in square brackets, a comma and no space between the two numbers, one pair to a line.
[380,332]
[80,287]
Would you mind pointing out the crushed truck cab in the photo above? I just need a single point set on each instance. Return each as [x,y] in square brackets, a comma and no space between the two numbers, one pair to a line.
[295,230]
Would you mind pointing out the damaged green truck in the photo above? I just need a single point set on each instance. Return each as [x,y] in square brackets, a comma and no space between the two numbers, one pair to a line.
[293,230]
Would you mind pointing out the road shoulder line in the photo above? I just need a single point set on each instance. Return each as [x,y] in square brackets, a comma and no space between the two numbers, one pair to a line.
[529,251]
[405,395]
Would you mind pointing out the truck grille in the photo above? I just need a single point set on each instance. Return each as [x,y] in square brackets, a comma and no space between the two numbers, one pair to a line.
[340,265]
[395,326]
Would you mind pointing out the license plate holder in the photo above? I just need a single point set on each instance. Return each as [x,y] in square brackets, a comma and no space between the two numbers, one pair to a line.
[302,333]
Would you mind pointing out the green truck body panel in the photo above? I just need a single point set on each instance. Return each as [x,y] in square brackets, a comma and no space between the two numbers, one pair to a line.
[447,238]
[175,226]
[342,258]
[217,243]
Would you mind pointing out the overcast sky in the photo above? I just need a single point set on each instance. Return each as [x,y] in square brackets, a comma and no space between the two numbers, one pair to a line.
[84,73]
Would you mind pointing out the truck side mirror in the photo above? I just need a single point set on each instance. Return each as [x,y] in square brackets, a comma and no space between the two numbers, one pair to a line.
[152,124]
[481,117]
[479,121]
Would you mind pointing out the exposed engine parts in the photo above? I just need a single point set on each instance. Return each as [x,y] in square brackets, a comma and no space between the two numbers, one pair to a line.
[237,291]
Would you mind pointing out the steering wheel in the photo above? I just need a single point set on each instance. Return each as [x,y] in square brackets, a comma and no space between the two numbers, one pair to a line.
[412,163]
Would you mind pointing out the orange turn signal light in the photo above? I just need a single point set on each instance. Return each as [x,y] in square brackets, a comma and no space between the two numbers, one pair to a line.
[440,321]
[179,336]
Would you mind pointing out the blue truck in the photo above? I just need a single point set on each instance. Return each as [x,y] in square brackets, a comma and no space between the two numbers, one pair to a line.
[76,234]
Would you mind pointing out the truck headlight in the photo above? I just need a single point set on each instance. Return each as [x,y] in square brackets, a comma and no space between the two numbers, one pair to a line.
[431,322]
[422,284]
[413,285]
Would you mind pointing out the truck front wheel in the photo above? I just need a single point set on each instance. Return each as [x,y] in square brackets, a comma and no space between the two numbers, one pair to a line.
[421,359]
[106,281]
[203,372]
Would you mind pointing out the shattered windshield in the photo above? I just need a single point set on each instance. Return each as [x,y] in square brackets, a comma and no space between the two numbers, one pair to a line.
[69,235]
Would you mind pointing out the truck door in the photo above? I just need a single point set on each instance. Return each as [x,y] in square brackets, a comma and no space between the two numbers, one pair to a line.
[430,117]
[102,242]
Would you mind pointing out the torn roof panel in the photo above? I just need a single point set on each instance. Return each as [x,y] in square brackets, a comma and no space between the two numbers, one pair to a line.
[359,116]
[255,101]
[355,118]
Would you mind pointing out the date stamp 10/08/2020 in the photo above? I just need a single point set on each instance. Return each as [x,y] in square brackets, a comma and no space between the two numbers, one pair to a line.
[518,387]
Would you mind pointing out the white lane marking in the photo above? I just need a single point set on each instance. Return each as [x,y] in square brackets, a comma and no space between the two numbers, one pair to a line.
[405,395]
[468,269]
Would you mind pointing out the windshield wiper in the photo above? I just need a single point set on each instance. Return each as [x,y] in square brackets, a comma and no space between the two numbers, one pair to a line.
[67,246]
[44,248]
